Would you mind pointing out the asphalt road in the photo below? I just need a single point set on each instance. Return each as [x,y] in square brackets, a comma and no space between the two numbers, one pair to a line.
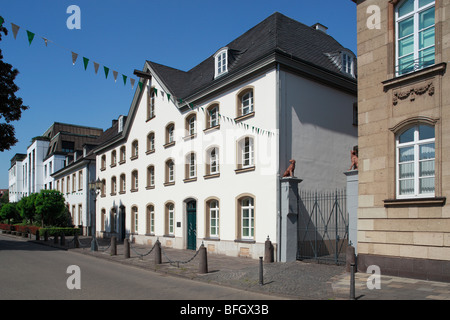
[33,271]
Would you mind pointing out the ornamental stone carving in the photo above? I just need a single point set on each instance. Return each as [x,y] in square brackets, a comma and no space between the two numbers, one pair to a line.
[411,93]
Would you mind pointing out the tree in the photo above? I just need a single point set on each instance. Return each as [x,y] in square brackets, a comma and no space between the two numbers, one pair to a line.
[9,212]
[26,207]
[50,208]
[11,107]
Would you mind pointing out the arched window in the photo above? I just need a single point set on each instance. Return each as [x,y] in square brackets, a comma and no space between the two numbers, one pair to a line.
[150,142]
[170,172]
[122,186]
[246,217]
[150,219]
[134,149]
[245,153]
[123,154]
[212,161]
[135,219]
[212,218]
[170,219]
[245,102]
[191,166]
[113,185]
[170,138]
[134,180]
[416,162]
[212,116]
[151,176]
[191,125]
[415,35]
[151,102]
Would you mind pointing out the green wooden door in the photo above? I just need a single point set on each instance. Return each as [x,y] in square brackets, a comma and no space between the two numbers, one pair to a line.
[192,225]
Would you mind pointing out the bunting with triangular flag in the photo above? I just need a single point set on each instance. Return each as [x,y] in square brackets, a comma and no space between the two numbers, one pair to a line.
[30,36]
[74,57]
[85,62]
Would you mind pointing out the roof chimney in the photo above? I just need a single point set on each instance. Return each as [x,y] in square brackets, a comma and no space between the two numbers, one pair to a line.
[320,27]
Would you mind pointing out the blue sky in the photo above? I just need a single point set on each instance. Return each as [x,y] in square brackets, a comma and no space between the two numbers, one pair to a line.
[122,35]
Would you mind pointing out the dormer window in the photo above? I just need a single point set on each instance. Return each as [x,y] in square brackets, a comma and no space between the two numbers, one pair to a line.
[120,129]
[348,64]
[221,62]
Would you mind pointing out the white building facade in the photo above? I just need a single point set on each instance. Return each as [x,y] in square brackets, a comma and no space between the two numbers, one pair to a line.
[200,154]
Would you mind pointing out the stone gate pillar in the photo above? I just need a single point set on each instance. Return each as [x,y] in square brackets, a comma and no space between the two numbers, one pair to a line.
[352,207]
[289,217]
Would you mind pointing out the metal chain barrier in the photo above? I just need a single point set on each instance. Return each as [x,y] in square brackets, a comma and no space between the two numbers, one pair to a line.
[142,255]
[177,261]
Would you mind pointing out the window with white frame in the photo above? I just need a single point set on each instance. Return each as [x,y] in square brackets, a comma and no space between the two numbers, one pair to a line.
[134,180]
[416,162]
[170,171]
[214,218]
[150,219]
[213,161]
[415,35]
[247,218]
[247,103]
[221,62]
[170,218]
[212,116]
[151,176]
[191,166]
[134,212]
[347,63]
[246,158]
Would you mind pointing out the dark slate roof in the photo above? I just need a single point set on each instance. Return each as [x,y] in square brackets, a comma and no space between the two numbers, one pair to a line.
[277,33]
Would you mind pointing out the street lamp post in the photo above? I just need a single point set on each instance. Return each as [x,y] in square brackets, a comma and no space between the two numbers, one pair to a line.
[94,187]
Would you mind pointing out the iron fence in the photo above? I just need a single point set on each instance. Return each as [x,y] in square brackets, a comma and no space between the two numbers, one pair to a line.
[323,226]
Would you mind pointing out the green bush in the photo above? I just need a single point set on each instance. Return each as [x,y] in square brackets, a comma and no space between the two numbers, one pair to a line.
[57,231]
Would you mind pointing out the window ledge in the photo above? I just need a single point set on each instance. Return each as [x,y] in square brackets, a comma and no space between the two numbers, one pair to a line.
[133,158]
[242,170]
[190,179]
[122,161]
[153,117]
[245,116]
[436,201]
[211,128]
[134,190]
[113,165]
[169,183]
[249,241]
[422,73]
[150,152]
[150,187]
[210,176]
[189,137]
[169,144]
[211,239]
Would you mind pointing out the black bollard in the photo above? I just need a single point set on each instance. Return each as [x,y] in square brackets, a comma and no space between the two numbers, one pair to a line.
[38,237]
[268,252]
[350,258]
[63,239]
[158,258]
[113,246]
[55,238]
[126,248]
[261,271]
[203,264]
[76,241]
[46,235]
[352,282]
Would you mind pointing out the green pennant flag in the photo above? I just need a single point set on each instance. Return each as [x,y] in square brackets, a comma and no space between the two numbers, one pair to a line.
[85,61]
[124,77]
[1,21]
[30,36]
[168,96]
[191,105]
[156,91]
[180,101]
[140,85]
[106,71]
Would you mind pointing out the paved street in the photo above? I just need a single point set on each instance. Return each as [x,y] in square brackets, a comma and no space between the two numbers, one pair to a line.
[32,271]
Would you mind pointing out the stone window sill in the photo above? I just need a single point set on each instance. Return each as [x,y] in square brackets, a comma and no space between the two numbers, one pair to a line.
[415,202]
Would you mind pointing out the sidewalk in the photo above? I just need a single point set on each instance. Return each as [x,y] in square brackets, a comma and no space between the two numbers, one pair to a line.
[294,280]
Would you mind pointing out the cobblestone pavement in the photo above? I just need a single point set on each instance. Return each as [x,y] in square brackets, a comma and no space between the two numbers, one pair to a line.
[293,280]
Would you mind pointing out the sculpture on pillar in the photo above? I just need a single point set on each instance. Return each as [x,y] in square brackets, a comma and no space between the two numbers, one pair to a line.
[354,158]
[290,170]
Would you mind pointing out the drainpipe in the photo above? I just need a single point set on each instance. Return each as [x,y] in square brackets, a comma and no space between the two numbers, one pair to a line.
[277,121]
